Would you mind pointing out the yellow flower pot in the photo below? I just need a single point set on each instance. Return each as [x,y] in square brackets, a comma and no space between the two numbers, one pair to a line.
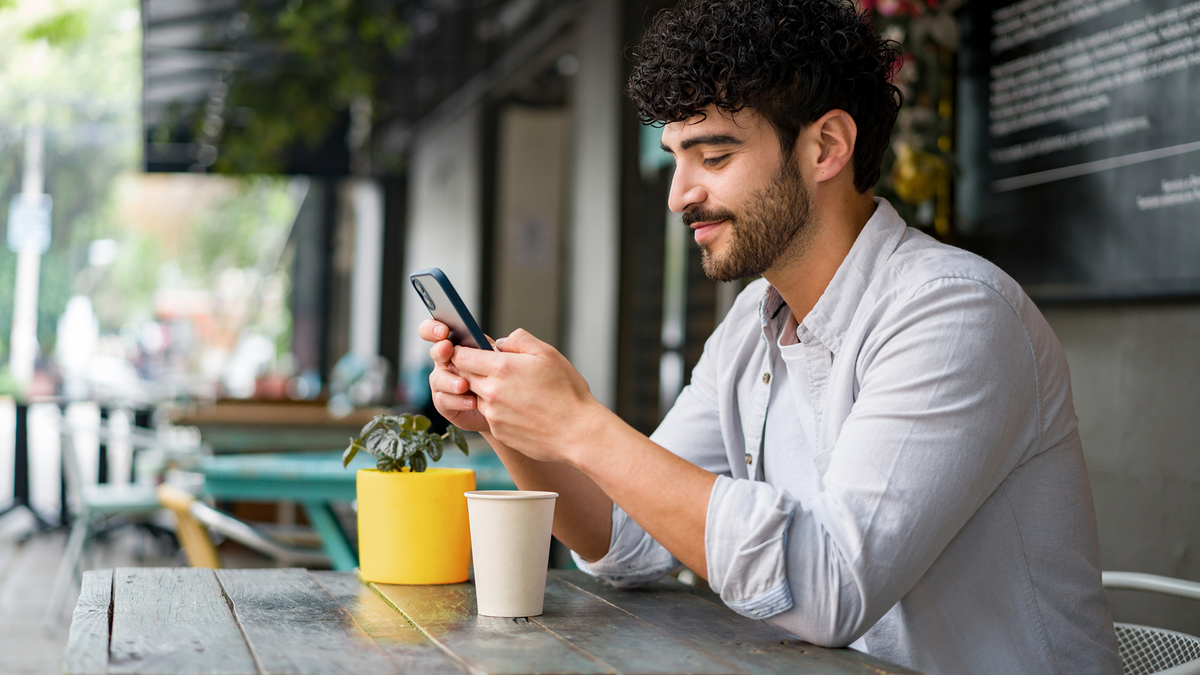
[412,527]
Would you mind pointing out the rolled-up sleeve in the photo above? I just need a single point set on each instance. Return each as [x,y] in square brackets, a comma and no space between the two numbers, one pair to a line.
[745,540]
[634,557]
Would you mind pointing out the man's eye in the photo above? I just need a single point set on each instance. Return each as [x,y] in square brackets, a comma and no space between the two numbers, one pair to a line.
[714,161]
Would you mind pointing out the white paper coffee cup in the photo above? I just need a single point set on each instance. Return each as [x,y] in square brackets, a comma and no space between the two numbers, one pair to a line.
[510,549]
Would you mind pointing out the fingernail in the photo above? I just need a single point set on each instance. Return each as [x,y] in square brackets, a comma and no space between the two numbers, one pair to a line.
[441,331]
[500,343]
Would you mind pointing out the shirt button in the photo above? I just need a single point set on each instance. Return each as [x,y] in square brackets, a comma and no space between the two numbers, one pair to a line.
[749,459]
[766,378]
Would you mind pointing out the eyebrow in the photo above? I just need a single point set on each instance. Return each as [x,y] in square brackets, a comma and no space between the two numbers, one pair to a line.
[710,139]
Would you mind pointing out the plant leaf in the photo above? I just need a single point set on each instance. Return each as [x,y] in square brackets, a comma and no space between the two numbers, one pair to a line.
[373,441]
[370,426]
[350,452]
[417,463]
[421,423]
[407,423]
[436,445]
[395,446]
[456,436]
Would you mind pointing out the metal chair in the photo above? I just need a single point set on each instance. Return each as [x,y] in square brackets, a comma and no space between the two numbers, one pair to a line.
[194,519]
[1145,650]
[93,504]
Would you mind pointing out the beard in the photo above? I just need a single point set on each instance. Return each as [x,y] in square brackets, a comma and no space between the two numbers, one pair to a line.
[771,229]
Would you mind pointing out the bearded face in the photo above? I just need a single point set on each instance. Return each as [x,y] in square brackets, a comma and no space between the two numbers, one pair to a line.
[768,229]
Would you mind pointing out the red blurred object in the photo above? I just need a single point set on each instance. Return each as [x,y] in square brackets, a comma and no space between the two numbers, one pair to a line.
[271,387]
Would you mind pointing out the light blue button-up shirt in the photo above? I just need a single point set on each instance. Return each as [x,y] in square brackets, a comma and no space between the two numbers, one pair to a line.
[902,472]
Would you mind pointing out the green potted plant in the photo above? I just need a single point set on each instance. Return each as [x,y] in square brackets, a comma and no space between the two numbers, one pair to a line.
[412,519]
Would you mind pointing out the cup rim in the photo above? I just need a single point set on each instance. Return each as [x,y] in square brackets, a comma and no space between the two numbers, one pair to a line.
[509,495]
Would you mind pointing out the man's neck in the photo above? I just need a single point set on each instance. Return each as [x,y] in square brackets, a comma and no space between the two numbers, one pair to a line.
[835,228]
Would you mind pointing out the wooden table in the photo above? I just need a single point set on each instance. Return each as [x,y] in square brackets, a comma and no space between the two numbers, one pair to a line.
[259,426]
[159,621]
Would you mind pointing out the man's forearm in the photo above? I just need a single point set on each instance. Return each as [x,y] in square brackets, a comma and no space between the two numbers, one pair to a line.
[582,512]
[665,494]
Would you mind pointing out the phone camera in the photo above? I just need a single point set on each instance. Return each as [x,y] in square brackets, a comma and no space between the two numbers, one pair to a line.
[424,295]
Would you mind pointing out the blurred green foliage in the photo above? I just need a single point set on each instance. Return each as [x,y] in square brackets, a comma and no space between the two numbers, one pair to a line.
[233,224]
[72,67]
[329,53]
[65,29]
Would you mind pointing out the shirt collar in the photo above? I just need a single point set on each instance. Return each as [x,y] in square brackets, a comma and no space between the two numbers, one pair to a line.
[830,317]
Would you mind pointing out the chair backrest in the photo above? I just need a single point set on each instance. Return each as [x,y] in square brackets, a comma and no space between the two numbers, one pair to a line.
[72,473]
[1145,650]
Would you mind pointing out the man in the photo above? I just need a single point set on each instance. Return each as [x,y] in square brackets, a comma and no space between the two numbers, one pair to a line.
[878,447]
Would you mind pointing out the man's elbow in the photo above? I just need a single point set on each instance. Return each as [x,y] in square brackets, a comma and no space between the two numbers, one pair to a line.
[833,626]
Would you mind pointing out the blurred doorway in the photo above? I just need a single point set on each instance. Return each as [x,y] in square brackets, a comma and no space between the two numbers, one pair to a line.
[526,255]
[527,164]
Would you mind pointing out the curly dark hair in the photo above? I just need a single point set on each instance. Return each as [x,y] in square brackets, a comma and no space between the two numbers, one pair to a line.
[790,60]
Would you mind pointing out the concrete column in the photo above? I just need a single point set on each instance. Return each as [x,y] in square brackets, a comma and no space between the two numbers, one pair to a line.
[366,199]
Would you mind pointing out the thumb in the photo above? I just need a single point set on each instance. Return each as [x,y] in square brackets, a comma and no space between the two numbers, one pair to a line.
[520,341]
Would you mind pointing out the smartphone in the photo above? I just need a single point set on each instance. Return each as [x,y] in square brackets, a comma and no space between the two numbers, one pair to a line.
[446,306]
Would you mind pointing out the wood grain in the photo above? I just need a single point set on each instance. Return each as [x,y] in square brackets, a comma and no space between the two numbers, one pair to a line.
[174,621]
[87,644]
[409,649]
[447,614]
[295,627]
[750,645]
[624,641]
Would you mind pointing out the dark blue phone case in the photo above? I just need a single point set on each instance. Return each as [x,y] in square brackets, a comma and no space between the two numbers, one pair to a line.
[457,316]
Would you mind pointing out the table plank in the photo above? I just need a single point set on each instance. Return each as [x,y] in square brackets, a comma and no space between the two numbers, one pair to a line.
[295,627]
[174,620]
[751,645]
[87,643]
[412,652]
[624,641]
[491,645]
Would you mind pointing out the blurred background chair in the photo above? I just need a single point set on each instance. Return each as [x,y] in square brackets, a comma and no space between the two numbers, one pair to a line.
[194,519]
[97,508]
[1145,649]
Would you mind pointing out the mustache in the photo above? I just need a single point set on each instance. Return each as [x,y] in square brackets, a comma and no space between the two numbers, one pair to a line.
[707,216]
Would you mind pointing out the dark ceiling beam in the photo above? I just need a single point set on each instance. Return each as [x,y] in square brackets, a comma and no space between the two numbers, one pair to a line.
[513,59]
[164,12]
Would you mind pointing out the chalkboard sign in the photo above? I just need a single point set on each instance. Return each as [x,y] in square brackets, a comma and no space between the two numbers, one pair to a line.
[1079,144]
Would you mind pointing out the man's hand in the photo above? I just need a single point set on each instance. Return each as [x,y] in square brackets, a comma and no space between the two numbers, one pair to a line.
[533,399]
[539,414]
[582,515]
[451,393]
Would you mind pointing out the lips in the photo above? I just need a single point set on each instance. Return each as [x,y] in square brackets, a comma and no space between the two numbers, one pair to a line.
[705,230]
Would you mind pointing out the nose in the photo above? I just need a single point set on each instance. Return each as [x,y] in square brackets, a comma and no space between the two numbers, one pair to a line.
[686,192]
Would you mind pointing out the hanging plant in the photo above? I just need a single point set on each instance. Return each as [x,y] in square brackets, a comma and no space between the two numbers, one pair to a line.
[919,167]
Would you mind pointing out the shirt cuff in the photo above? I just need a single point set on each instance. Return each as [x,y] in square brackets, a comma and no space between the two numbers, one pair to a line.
[766,604]
[745,541]
[634,557]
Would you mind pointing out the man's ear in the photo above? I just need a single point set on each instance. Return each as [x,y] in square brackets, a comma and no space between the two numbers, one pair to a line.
[834,134]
